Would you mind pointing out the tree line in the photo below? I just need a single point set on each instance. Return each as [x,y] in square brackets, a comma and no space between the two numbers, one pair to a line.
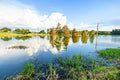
[63,31]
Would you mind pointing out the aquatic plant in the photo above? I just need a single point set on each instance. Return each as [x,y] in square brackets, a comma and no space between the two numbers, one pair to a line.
[110,53]
[75,67]
[28,70]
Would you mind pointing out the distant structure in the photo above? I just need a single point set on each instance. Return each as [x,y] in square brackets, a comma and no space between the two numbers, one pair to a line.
[96,36]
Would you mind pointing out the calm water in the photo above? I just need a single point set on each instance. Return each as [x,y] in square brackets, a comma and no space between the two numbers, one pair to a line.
[13,57]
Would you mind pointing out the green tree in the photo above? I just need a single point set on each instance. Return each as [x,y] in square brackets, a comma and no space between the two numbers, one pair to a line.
[22,31]
[5,29]
[66,42]
[52,31]
[75,33]
[115,32]
[42,32]
[92,33]
[85,33]
[59,30]
[6,38]
[66,31]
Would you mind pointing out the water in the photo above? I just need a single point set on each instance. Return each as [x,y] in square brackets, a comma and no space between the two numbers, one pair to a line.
[44,49]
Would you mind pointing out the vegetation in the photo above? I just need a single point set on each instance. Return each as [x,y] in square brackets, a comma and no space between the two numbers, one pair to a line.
[92,33]
[74,67]
[75,33]
[5,29]
[22,37]
[42,32]
[66,31]
[104,32]
[115,32]
[22,31]
[85,33]
[17,47]
[6,38]
[110,53]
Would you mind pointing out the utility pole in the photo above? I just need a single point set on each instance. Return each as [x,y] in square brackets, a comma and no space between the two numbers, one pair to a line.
[96,36]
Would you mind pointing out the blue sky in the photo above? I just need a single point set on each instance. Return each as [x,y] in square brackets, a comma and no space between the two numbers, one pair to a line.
[88,11]
[78,12]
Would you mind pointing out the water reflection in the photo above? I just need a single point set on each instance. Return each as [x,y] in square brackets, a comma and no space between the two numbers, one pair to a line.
[75,39]
[22,37]
[54,44]
[56,41]
[12,53]
[84,39]
[65,42]
[6,38]
[92,38]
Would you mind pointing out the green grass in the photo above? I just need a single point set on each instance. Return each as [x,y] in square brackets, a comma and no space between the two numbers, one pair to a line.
[10,34]
[70,68]
[110,53]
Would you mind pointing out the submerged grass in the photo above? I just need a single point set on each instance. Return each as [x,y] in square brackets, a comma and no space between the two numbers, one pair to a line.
[71,68]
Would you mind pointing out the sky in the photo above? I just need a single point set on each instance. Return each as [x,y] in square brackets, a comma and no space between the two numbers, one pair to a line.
[43,14]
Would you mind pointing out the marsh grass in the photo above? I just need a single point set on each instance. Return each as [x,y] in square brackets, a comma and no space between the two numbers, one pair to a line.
[70,68]
[110,53]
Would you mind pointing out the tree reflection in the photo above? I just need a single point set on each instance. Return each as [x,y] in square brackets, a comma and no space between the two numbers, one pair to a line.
[65,42]
[91,38]
[22,37]
[42,37]
[56,42]
[84,39]
[6,38]
[75,39]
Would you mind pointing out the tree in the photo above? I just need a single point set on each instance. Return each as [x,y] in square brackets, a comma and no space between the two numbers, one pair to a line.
[59,30]
[22,31]
[75,33]
[42,32]
[5,29]
[6,38]
[115,32]
[52,31]
[66,32]
[92,33]
[85,33]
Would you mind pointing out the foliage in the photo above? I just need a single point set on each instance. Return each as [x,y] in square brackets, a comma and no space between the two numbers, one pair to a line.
[91,38]
[75,39]
[42,32]
[66,31]
[28,70]
[75,67]
[59,30]
[52,31]
[75,33]
[115,32]
[92,33]
[6,38]
[66,42]
[17,47]
[84,39]
[22,37]
[22,31]
[5,29]
[104,32]
[110,53]
[85,33]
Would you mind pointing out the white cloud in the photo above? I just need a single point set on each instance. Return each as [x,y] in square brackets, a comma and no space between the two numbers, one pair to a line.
[16,14]
[84,26]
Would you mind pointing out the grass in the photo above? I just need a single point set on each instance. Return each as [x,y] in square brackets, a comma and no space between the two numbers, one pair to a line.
[110,53]
[10,34]
[71,68]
